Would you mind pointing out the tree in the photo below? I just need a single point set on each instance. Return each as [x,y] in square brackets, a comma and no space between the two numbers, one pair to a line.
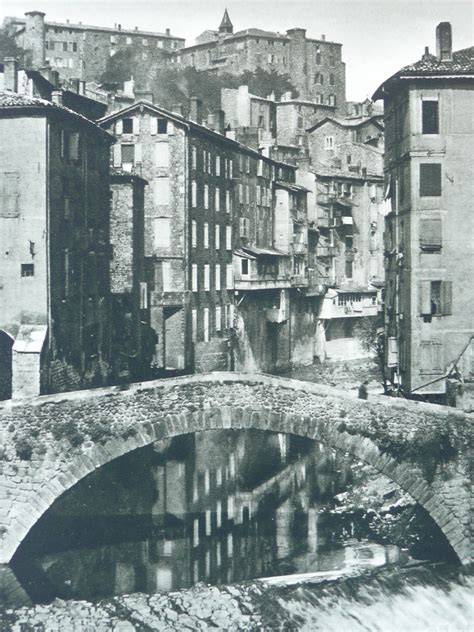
[367,331]
[9,48]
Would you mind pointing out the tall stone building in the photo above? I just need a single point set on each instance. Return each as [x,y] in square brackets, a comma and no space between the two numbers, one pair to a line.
[430,229]
[80,51]
[54,240]
[315,66]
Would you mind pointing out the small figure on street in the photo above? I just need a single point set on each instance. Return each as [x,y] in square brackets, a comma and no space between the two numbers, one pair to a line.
[363,393]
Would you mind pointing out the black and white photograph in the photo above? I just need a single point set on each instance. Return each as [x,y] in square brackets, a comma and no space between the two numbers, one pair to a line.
[236,315]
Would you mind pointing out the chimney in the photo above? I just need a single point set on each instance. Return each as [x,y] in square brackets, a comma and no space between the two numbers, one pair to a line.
[195,113]
[323,37]
[168,32]
[216,121]
[57,97]
[119,26]
[10,74]
[444,42]
[426,54]
[145,95]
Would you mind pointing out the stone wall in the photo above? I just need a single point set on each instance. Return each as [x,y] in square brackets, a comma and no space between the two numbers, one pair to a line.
[394,436]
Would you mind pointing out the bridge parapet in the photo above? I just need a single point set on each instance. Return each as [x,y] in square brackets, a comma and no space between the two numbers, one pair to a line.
[52,442]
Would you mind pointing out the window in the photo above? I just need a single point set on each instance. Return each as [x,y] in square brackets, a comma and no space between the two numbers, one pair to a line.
[162,126]
[9,201]
[127,126]
[143,295]
[319,79]
[27,270]
[430,179]
[430,117]
[145,42]
[332,99]
[206,196]
[193,158]
[435,298]
[331,79]
[431,356]
[193,194]
[228,237]
[162,155]
[162,191]
[244,267]
[129,40]
[128,154]
[206,235]
[349,268]
[194,338]
[329,143]
[229,277]
[64,46]
[318,58]
[218,165]
[162,232]
[207,277]
[430,235]
[218,200]
[193,234]
[206,324]
[74,47]
[218,277]
[73,146]
[227,202]
[194,277]
[218,237]
[331,61]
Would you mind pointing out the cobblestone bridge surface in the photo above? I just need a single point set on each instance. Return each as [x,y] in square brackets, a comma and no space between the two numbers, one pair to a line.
[52,442]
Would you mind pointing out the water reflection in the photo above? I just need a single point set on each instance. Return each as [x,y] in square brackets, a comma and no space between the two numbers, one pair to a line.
[218,507]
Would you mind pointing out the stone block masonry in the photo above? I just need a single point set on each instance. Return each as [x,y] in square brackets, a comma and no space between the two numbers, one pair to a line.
[394,436]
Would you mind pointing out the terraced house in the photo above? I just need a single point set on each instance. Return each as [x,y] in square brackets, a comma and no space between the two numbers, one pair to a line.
[214,276]
[54,244]
[429,245]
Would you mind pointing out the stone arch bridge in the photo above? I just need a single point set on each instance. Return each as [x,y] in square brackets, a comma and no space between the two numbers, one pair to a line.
[52,442]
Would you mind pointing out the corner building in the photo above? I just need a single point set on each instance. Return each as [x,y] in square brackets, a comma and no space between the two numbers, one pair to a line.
[429,242]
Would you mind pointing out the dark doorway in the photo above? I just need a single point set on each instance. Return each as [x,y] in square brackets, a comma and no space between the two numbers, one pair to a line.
[6,344]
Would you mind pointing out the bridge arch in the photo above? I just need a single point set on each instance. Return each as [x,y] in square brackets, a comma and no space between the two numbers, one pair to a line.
[46,489]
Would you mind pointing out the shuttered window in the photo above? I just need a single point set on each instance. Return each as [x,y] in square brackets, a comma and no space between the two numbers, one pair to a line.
[430,235]
[431,356]
[430,118]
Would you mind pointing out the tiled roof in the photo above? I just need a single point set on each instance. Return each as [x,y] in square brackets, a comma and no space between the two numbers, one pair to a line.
[12,101]
[462,63]
[429,65]
[260,33]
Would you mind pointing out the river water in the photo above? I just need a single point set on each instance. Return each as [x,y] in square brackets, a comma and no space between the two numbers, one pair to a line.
[221,507]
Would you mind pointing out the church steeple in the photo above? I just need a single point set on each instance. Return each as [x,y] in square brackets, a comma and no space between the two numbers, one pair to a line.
[226,25]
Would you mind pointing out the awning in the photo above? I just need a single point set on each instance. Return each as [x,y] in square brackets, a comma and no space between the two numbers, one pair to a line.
[264,252]
[344,202]
[245,255]
[290,186]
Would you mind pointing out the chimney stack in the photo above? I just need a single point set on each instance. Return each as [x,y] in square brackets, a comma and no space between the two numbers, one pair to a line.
[444,42]
[57,97]
[145,95]
[168,32]
[195,113]
[10,74]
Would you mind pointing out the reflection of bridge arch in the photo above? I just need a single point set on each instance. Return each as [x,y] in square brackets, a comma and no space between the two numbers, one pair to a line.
[310,411]
[6,345]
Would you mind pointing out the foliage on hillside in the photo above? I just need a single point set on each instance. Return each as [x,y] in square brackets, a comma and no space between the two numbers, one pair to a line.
[173,86]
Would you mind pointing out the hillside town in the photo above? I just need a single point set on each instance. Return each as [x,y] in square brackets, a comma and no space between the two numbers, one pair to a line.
[141,238]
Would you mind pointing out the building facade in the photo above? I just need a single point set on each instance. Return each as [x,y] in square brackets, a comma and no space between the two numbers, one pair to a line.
[54,236]
[81,51]
[429,231]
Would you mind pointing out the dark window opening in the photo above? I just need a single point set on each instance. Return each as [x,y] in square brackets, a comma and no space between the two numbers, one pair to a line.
[244,266]
[435,297]
[430,117]
[27,269]
[127,124]
[128,154]
[162,126]
[430,180]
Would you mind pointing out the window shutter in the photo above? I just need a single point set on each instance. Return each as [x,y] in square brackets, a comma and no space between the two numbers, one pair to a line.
[119,127]
[430,234]
[117,155]
[153,125]
[436,355]
[138,153]
[136,125]
[425,298]
[447,297]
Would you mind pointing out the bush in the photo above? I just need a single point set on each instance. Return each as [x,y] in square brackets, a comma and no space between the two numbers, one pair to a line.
[23,446]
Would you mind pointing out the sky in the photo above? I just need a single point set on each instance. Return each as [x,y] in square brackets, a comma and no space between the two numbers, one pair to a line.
[378,36]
